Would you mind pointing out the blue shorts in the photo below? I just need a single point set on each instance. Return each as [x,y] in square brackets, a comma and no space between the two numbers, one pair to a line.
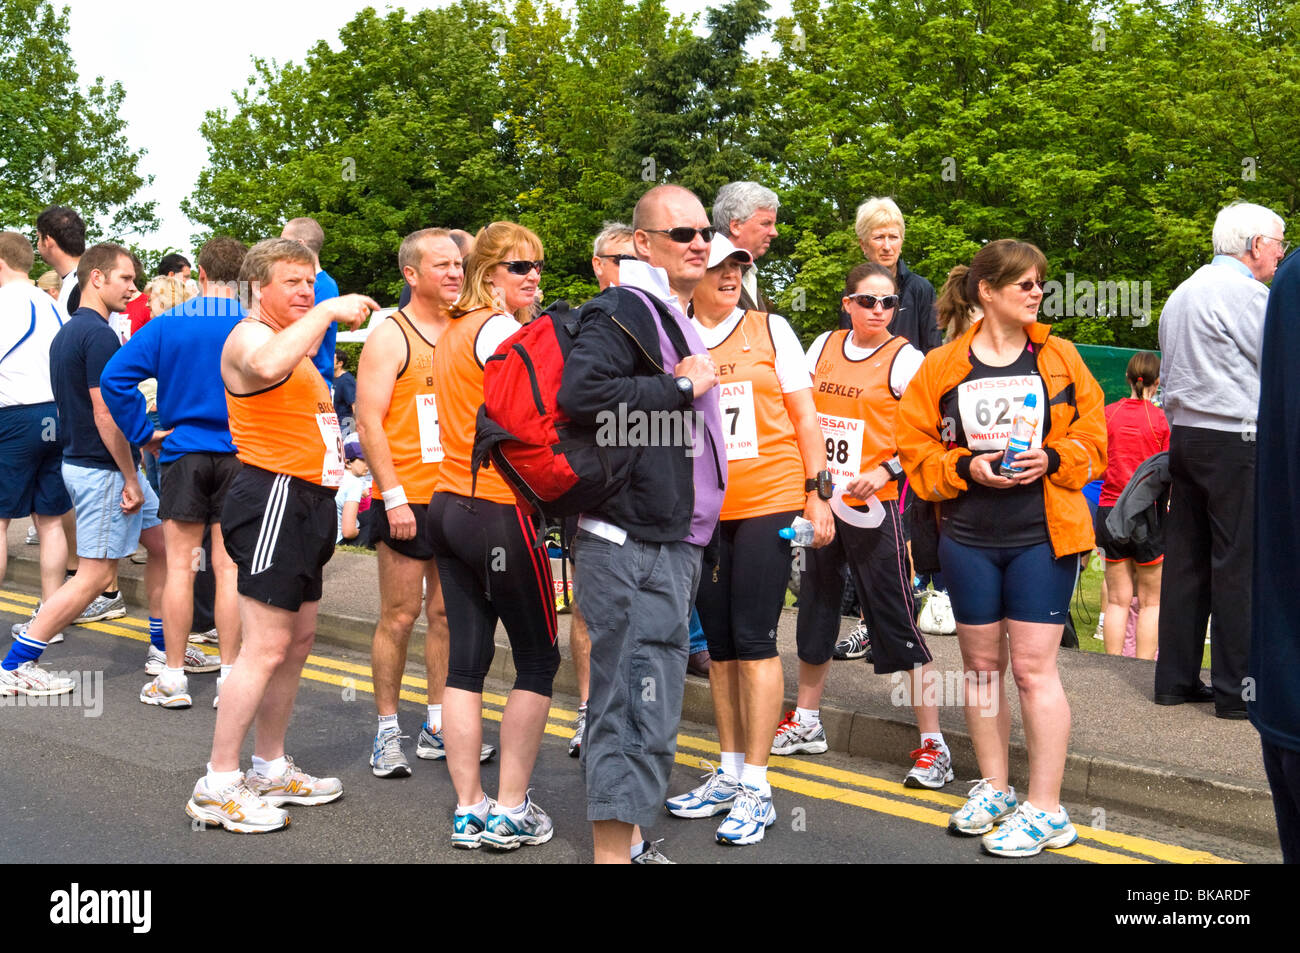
[30,446]
[1024,584]
[103,530]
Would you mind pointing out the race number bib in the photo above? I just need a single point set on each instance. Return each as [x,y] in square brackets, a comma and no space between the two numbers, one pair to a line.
[988,406]
[739,424]
[426,414]
[331,471]
[843,445]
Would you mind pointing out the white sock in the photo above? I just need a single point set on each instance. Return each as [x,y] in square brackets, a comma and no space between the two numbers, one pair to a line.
[220,779]
[937,738]
[225,669]
[174,677]
[479,810]
[640,848]
[435,717]
[755,776]
[517,811]
[809,717]
[1054,815]
[731,762]
[388,723]
[270,769]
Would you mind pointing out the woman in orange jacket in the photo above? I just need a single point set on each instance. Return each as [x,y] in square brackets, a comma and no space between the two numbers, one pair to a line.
[1008,543]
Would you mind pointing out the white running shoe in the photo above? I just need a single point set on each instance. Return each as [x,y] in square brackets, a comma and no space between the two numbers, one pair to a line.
[196,661]
[794,737]
[20,628]
[235,807]
[30,679]
[715,795]
[984,808]
[751,815]
[933,767]
[176,696]
[1028,831]
[294,787]
[204,638]
[102,608]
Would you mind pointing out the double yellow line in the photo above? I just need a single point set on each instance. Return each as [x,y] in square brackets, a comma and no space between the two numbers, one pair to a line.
[799,776]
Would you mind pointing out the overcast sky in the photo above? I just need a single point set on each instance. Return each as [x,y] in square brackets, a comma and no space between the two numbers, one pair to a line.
[178,60]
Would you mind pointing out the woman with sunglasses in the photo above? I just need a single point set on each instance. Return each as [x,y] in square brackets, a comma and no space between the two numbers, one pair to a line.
[1009,540]
[774,455]
[858,377]
[486,560]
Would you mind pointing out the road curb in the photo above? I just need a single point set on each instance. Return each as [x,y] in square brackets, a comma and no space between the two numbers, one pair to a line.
[1102,783]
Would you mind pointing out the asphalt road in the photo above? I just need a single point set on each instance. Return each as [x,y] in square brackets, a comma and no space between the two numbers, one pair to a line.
[101,778]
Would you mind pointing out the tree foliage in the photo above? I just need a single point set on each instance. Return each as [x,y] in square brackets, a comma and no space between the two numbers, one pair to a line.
[61,144]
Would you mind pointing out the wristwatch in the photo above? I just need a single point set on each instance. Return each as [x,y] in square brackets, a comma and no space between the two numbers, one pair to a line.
[685,387]
[822,483]
[893,469]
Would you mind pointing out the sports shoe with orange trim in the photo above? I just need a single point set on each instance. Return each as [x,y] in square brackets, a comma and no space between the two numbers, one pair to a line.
[294,787]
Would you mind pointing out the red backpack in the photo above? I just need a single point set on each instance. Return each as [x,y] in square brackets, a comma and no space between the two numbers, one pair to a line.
[554,466]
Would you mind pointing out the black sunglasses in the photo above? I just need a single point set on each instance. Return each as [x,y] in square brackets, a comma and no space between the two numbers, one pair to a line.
[888,302]
[618,259]
[1028,285]
[523,267]
[684,234]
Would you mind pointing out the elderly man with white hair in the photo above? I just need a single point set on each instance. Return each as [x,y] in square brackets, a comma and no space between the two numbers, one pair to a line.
[1210,332]
[745,212]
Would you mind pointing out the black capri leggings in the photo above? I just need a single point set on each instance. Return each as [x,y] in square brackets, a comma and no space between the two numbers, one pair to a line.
[489,569]
[740,600]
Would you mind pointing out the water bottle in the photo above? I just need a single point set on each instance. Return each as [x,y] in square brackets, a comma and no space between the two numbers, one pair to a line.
[800,532]
[1022,435]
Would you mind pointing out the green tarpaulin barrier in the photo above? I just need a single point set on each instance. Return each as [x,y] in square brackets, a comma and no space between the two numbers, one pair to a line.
[1108,365]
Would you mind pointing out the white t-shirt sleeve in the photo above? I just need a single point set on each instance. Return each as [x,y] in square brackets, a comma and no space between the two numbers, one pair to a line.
[815,352]
[791,366]
[906,364]
[495,330]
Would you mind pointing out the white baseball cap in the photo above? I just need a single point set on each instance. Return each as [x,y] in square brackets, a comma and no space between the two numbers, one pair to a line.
[721,249]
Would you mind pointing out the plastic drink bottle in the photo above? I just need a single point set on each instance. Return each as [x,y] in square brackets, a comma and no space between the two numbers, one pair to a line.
[800,532]
[1022,435]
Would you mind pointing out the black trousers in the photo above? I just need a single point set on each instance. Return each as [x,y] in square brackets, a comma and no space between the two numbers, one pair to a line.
[1282,765]
[1209,552]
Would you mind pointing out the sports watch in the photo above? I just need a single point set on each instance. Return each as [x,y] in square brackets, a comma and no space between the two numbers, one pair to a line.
[822,483]
[893,468]
[685,387]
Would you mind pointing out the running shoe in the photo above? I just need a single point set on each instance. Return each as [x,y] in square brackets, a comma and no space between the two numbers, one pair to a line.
[196,661]
[467,829]
[204,638]
[1029,831]
[506,832]
[294,787]
[933,768]
[386,758]
[156,693]
[579,729]
[30,679]
[32,539]
[429,746]
[714,796]
[652,854]
[102,608]
[20,628]
[793,737]
[235,807]
[751,815]
[856,644]
[984,807]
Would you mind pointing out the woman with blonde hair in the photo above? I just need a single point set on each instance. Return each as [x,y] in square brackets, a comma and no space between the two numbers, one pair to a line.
[487,564]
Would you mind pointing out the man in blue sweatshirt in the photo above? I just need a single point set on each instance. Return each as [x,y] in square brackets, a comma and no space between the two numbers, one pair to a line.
[182,349]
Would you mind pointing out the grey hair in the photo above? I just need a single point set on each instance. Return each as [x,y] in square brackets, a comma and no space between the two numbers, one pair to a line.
[612,232]
[1238,223]
[738,201]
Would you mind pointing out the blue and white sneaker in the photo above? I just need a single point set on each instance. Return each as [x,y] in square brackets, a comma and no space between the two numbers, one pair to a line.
[467,829]
[751,815]
[507,832]
[715,795]
[984,808]
[386,757]
[429,746]
[1028,831]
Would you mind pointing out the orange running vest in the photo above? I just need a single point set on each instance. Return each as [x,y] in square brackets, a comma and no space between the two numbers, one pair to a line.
[290,427]
[765,472]
[411,424]
[857,409]
[458,382]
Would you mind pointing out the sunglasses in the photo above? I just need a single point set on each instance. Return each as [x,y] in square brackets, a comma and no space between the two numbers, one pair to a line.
[1029,285]
[618,259]
[888,302]
[523,267]
[684,234]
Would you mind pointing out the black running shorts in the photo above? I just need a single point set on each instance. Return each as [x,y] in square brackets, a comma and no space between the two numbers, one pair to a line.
[420,546]
[280,531]
[194,486]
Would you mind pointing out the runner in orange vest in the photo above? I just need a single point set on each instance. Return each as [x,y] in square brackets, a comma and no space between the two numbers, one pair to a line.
[775,454]
[279,524]
[858,378]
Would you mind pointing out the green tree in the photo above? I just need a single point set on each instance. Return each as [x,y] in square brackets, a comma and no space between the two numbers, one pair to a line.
[61,144]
